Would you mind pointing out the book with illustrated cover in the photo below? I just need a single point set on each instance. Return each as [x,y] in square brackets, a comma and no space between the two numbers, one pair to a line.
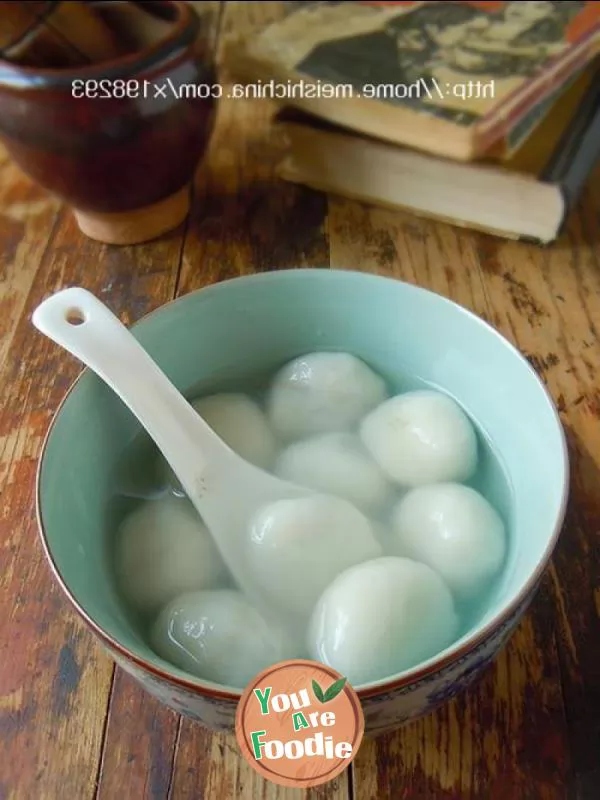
[450,78]
[528,196]
[515,138]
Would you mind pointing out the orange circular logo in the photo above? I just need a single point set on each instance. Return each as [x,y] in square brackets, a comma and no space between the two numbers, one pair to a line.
[299,724]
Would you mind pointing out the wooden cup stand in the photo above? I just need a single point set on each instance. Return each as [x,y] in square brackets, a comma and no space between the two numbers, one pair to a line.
[138,225]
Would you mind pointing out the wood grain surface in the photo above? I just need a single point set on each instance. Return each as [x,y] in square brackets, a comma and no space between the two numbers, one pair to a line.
[73,726]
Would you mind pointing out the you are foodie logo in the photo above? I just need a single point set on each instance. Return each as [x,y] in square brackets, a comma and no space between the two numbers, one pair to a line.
[299,724]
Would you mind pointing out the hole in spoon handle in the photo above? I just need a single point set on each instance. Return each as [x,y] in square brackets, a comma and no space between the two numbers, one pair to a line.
[63,317]
[75,316]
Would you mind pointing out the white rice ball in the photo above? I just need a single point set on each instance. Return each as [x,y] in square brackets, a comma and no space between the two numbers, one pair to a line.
[454,530]
[321,393]
[216,635]
[297,546]
[421,437]
[163,549]
[380,618]
[241,423]
[337,464]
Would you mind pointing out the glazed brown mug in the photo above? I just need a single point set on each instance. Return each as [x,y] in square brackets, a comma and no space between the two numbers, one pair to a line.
[119,139]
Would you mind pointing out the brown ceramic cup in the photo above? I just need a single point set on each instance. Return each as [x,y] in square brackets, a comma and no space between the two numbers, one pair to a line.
[119,140]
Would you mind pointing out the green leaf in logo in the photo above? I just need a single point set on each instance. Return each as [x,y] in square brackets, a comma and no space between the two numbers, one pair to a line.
[318,692]
[334,690]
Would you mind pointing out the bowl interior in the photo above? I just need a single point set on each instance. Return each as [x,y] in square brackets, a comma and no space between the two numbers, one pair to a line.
[233,331]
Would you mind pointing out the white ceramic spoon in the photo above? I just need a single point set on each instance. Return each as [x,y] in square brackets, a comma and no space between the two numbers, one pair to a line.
[226,490]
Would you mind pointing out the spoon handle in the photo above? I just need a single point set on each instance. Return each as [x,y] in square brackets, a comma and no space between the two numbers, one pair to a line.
[80,323]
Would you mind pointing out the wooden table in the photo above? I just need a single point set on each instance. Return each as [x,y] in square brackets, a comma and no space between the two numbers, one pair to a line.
[72,727]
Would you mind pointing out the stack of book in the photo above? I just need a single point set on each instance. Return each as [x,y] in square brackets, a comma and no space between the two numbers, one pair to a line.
[484,114]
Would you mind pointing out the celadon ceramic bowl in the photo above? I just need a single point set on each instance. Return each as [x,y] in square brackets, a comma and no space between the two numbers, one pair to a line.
[237,329]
